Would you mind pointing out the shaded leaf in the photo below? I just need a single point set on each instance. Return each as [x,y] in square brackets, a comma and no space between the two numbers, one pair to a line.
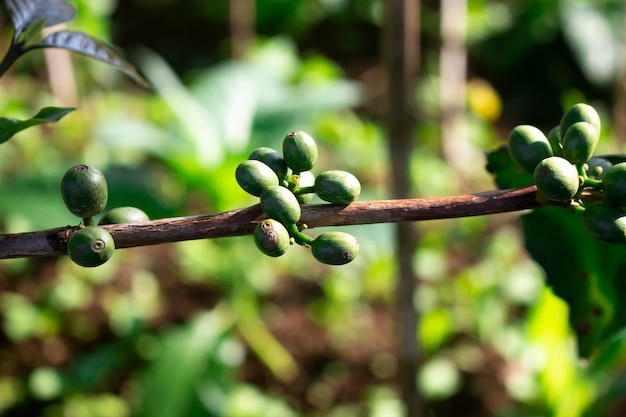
[505,171]
[10,126]
[608,368]
[614,158]
[586,273]
[26,12]
[86,45]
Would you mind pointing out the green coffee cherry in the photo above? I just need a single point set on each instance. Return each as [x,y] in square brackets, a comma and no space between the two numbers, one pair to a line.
[597,167]
[272,159]
[554,138]
[614,184]
[299,151]
[255,176]
[90,246]
[527,146]
[271,237]
[84,191]
[579,113]
[120,215]
[605,222]
[579,142]
[280,204]
[335,248]
[338,187]
[556,178]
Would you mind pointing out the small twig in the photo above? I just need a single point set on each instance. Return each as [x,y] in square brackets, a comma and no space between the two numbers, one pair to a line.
[52,242]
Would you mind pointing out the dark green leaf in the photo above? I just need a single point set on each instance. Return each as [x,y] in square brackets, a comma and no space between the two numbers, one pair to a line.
[587,274]
[10,126]
[614,158]
[505,172]
[26,12]
[86,45]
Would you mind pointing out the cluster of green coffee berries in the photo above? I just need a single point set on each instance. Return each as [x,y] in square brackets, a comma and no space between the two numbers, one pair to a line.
[85,193]
[563,167]
[283,183]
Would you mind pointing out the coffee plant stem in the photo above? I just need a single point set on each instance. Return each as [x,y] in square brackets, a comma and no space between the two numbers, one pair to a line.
[299,237]
[305,190]
[14,52]
[52,242]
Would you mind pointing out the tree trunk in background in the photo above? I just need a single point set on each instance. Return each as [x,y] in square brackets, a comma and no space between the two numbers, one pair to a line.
[619,105]
[401,48]
[453,70]
[242,26]
[60,72]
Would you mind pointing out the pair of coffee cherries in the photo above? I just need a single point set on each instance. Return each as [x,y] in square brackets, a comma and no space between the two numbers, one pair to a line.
[85,193]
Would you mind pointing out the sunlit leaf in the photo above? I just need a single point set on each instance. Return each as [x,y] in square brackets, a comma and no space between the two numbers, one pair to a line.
[187,368]
[587,274]
[593,31]
[86,45]
[26,12]
[10,126]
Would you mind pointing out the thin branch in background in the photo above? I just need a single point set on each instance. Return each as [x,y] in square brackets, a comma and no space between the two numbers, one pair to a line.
[453,69]
[402,54]
[60,72]
[242,26]
[619,106]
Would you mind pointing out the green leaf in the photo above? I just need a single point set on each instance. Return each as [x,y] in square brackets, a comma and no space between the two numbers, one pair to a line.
[505,171]
[614,158]
[188,368]
[86,45]
[10,126]
[587,274]
[24,13]
[607,367]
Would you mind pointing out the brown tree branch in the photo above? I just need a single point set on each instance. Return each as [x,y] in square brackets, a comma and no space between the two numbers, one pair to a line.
[52,242]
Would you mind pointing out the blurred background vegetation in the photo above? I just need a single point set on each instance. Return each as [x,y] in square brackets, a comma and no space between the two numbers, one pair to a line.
[214,328]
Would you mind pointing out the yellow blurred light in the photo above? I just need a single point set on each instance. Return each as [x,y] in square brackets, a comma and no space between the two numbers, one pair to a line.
[484,100]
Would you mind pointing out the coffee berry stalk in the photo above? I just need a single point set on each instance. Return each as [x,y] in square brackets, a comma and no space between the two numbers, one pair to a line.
[85,193]
[283,183]
[563,166]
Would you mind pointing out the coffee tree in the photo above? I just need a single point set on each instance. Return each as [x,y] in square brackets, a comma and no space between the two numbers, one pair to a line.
[576,228]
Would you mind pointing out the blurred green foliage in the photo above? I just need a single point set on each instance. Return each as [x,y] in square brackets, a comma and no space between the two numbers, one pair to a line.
[214,328]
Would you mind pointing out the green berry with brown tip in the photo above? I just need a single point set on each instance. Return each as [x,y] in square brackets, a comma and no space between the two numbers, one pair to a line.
[335,248]
[299,151]
[84,190]
[271,237]
[90,246]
